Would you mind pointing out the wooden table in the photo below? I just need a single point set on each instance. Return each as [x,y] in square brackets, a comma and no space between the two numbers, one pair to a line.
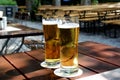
[106,7]
[17,31]
[94,58]
[114,22]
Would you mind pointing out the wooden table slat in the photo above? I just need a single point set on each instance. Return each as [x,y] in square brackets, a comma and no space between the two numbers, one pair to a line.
[102,52]
[94,64]
[29,66]
[8,72]
[35,54]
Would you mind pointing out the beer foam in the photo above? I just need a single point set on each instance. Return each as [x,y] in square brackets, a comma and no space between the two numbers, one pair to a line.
[49,22]
[68,25]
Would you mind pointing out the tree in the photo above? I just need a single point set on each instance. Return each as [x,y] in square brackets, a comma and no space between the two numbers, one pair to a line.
[7,2]
[94,2]
[35,5]
[34,8]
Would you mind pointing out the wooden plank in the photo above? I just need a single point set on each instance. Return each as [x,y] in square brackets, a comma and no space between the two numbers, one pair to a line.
[8,72]
[114,22]
[94,64]
[36,54]
[29,66]
[102,52]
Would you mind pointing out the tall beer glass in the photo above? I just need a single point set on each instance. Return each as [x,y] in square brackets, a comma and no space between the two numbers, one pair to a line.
[68,35]
[52,47]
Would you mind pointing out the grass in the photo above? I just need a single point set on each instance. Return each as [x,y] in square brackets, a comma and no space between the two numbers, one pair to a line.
[8,2]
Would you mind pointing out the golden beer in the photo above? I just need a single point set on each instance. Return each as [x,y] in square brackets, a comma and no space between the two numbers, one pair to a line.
[68,34]
[52,47]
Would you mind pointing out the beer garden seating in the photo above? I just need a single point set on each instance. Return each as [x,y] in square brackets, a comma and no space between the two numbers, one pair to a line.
[90,16]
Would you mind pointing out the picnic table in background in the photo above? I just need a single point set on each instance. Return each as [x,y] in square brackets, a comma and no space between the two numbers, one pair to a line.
[17,31]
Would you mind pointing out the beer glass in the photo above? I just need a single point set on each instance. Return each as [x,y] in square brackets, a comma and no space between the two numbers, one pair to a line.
[52,47]
[68,36]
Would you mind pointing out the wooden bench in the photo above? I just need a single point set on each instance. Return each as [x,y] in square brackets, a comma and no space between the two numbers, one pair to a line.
[89,24]
[94,58]
[112,26]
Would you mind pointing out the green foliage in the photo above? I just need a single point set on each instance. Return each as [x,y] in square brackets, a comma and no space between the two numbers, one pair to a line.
[8,2]
[94,1]
[35,4]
